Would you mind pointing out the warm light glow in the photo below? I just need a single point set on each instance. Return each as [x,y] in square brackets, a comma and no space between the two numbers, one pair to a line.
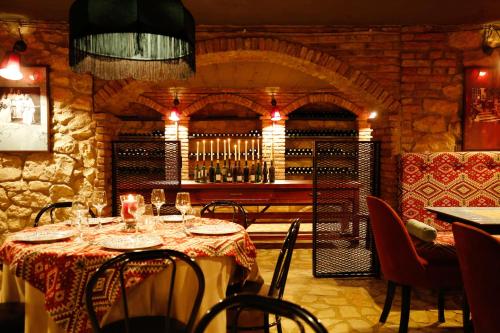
[10,67]
[130,198]
[373,115]
[174,116]
[483,73]
[276,115]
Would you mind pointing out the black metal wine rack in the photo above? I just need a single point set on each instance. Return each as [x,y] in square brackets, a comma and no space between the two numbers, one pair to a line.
[343,244]
[141,165]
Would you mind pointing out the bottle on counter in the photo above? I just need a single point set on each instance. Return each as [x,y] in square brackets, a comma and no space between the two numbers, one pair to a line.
[264,173]
[252,173]
[239,175]
[258,173]
[211,173]
[229,177]
[246,173]
[218,174]
[197,173]
[224,172]
[235,173]
[272,172]
[203,178]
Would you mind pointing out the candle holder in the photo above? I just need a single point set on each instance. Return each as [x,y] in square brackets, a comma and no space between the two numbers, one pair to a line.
[129,204]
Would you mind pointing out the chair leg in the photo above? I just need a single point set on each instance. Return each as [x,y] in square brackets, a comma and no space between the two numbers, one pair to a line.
[466,316]
[391,288]
[441,306]
[405,309]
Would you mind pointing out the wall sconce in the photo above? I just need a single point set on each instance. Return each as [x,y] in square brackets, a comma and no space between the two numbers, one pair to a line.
[174,114]
[491,38]
[275,112]
[373,115]
[10,67]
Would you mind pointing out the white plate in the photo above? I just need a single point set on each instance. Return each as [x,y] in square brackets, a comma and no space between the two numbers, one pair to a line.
[40,236]
[130,242]
[215,229]
[94,220]
[175,218]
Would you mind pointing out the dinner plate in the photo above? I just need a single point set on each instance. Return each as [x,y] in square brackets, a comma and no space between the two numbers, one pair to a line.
[95,221]
[175,218]
[215,229]
[40,236]
[130,242]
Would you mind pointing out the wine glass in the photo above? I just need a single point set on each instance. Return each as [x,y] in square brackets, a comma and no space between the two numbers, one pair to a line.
[158,198]
[99,202]
[138,209]
[183,205]
[79,208]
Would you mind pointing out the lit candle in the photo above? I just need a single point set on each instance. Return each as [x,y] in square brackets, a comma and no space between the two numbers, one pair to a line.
[246,149]
[203,150]
[229,148]
[197,150]
[127,205]
[235,153]
[211,150]
[258,149]
[239,150]
[224,144]
[218,148]
[253,149]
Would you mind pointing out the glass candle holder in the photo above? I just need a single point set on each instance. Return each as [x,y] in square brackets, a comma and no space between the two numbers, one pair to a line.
[129,204]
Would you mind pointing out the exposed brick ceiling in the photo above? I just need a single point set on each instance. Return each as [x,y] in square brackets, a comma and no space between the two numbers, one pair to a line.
[298,12]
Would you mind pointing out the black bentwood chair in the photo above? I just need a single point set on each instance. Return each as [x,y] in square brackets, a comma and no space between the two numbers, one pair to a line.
[151,323]
[283,309]
[51,207]
[254,320]
[239,215]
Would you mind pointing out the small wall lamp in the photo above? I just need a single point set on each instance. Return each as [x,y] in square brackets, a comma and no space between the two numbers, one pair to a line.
[174,114]
[10,67]
[275,111]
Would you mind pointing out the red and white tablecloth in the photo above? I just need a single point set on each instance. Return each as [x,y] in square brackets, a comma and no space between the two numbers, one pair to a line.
[60,270]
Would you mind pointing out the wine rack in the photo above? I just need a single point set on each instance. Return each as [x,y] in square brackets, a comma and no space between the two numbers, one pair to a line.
[158,133]
[249,134]
[340,171]
[308,152]
[294,133]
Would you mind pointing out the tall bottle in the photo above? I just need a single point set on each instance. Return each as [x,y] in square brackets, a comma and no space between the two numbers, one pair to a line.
[252,173]
[203,173]
[239,176]
[224,172]
[258,173]
[229,177]
[211,173]
[197,173]
[264,173]
[272,172]
[235,173]
[246,173]
[218,174]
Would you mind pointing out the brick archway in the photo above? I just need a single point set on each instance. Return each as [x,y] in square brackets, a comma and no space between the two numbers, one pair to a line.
[227,98]
[362,113]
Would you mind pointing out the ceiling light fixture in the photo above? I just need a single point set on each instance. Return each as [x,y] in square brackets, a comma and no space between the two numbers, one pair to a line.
[142,39]
[174,114]
[10,67]
[275,111]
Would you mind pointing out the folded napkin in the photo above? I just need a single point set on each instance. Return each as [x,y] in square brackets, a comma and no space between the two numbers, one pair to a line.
[421,230]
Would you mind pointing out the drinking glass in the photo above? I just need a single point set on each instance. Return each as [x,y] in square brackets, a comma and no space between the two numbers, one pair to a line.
[158,198]
[79,208]
[138,209]
[99,202]
[183,205]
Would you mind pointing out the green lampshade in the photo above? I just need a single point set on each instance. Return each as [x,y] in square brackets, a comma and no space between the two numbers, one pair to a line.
[140,39]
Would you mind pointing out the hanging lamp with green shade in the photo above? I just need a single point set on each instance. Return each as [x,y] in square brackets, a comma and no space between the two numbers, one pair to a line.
[141,39]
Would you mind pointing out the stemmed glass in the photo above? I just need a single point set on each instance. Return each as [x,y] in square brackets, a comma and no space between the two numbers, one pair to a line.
[79,208]
[137,210]
[99,202]
[158,199]
[183,205]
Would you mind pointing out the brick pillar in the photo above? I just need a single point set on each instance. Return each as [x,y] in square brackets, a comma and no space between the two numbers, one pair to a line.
[364,130]
[180,131]
[273,136]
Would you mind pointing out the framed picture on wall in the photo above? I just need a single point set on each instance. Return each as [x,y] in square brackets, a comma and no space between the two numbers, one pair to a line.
[481,119]
[24,111]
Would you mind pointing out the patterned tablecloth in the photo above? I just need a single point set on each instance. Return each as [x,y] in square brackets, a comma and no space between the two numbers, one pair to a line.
[60,270]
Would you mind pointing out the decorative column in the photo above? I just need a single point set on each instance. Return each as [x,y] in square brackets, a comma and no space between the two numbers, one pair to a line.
[180,131]
[273,135]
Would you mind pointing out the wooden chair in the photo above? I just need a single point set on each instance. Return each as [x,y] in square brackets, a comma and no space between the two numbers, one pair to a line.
[51,207]
[238,216]
[402,265]
[479,257]
[152,323]
[266,305]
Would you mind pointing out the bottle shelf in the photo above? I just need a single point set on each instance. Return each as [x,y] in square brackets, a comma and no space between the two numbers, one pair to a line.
[140,153]
[322,170]
[251,134]
[140,170]
[308,153]
[324,133]
[143,135]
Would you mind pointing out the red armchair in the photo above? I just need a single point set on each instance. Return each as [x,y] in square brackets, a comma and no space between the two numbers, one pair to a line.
[479,257]
[402,265]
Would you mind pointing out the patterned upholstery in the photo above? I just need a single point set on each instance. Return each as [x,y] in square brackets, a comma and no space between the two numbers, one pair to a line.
[448,179]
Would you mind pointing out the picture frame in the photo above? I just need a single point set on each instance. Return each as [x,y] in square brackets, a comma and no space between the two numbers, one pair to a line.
[481,116]
[24,112]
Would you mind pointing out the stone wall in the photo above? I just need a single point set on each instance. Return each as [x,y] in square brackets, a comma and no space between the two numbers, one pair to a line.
[29,181]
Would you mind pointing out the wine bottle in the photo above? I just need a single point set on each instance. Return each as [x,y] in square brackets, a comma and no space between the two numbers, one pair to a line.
[235,173]
[211,173]
[218,174]
[258,173]
[252,173]
[240,173]
[197,173]
[264,173]
[272,173]
[224,172]
[229,177]
[203,173]
[246,173]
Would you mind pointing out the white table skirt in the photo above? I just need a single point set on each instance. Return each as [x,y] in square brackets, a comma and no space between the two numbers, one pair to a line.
[217,272]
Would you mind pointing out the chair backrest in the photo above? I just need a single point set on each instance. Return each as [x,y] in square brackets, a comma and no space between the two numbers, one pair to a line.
[398,257]
[238,215]
[267,305]
[479,258]
[118,266]
[278,282]
[51,207]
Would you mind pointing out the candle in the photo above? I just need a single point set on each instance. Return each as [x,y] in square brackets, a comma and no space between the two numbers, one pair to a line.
[224,144]
[239,150]
[229,148]
[211,150]
[235,152]
[197,150]
[203,151]
[253,149]
[128,204]
[218,148]
[258,149]
[246,150]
